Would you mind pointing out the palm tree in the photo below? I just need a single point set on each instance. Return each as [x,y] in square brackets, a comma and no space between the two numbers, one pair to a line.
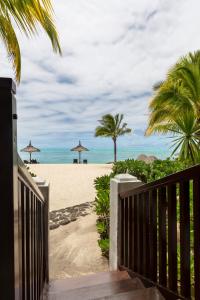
[180,92]
[27,15]
[185,132]
[112,126]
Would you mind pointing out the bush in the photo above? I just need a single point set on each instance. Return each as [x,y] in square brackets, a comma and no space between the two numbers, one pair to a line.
[143,171]
[102,183]
[136,168]
[149,172]
[102,228]
[102,206]
[162,168]
[104,245]
[102,203]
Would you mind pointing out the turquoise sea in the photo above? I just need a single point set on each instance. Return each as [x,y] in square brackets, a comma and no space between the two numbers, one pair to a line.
[95,155]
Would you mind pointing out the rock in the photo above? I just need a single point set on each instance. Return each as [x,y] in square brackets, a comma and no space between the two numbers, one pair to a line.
[73,218]
[62,210]
[64,222]
[142,157]
[147,159]
[54,226]
[65,217]
[56,219]
[84,214]
[52,215]
[69,214]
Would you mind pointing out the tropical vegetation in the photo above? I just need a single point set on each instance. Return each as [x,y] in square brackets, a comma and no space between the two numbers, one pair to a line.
[26,15]
[102,209]
[149,172]
[175,107]
[143,171]
[112,126]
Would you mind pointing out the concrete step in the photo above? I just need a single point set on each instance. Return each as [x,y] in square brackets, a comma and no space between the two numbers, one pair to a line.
[87,280]
[143,294]
[96,291]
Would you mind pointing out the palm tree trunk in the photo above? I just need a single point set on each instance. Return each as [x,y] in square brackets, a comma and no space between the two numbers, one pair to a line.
[115,149]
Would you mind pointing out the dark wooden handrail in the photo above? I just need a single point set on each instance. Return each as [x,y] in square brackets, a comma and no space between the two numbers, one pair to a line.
[192,172]
[26,177]
[23,213]
[160,234]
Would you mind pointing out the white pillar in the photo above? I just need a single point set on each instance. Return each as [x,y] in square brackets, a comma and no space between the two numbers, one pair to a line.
[120,183]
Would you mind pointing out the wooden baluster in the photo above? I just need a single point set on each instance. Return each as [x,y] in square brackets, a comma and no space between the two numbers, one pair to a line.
[24,252]
[126,232]
[122,233]
[185,238]
[146,244]
[38,245]
[162,236]
[32,248]
[196,214]
[153,235]
[140,233]
[130,232]
[172,237]
[135,237]
[28,243]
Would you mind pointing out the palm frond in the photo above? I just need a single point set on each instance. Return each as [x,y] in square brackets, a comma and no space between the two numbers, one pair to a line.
[27,14]
[8,36]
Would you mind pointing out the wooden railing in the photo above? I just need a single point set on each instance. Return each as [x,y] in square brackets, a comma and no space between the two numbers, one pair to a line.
[23,214]
[33,228]
[160,234]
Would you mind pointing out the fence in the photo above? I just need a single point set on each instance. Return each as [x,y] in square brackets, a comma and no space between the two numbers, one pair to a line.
[160,234]
[23,214]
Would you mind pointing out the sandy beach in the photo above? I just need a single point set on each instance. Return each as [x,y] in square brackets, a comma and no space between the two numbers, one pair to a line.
[70,184]
[74,250]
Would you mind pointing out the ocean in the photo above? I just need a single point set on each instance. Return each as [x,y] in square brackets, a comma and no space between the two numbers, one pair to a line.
[95,155]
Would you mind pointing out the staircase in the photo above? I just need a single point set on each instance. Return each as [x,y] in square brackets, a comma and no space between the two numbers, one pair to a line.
[108,285]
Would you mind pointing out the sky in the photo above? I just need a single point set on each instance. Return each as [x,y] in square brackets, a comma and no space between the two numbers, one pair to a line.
[114,51]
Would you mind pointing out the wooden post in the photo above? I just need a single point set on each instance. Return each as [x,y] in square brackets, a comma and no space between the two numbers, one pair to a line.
[9,210]
[44,188]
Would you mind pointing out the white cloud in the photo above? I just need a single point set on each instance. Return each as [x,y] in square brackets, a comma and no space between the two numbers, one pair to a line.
[113,52]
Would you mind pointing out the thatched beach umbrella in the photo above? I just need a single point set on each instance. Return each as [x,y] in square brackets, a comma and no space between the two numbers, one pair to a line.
[79,149]
[30,149]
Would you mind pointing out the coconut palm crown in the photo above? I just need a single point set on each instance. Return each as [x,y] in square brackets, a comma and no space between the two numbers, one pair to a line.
[112,126]
[26,15]
[175,97]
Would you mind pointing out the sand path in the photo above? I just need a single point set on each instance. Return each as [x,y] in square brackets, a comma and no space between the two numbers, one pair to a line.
[73,248]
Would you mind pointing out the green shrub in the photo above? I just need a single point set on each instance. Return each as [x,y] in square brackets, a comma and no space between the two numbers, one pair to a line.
[104,245]
[103,227]
[102,183]
[149,172]
[136,168]
[162,168]
[102,203]
[143,171]
[102,208]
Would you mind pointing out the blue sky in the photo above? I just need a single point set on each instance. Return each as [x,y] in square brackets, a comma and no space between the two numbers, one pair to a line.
[113,52]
